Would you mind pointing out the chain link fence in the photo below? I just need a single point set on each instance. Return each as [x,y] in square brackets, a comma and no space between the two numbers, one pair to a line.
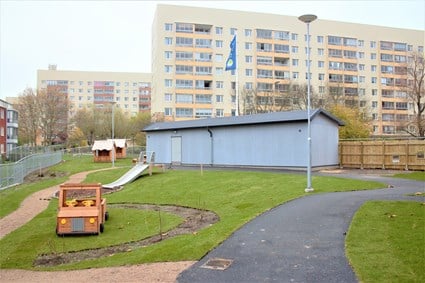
[14,173]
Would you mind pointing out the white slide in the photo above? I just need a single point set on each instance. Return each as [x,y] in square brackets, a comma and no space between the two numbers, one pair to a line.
[128,177]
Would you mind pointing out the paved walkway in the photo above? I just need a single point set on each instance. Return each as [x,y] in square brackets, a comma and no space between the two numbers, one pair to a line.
[300,241]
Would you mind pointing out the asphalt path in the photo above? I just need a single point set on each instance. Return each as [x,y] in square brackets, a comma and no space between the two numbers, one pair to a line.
[299,241]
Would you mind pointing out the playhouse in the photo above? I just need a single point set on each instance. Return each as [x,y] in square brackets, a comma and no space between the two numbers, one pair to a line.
[104,151]
[120,148]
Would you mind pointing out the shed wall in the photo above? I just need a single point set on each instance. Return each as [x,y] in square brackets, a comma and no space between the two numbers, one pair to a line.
[280,144]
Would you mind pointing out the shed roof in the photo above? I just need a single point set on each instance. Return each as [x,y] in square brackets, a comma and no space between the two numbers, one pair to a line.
[121,143]
[103,145]
[263,118]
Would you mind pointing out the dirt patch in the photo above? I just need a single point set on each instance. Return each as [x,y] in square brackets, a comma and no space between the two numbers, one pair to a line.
[194,220]
[43,174]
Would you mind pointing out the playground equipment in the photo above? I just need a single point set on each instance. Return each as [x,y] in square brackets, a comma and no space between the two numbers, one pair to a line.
[144,161]
[82,210]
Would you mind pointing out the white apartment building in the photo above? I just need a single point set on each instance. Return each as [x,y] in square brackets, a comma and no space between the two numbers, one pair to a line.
[190,45]
[130,91]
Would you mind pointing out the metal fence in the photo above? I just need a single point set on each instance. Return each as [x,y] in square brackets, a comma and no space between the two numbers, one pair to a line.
[132,151]
[14,173]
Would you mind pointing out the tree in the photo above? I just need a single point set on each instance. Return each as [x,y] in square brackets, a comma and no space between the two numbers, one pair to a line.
[356,125]
[137,123]
[415,90]
[85,121]
[28,117]
[76,138]
[53,116]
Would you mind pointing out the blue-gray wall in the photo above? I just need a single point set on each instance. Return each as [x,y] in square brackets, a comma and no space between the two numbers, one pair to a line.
[280,144]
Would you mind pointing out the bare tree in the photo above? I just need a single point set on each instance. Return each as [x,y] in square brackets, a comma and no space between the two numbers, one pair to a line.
[28,116]
[53,106]
[415,90]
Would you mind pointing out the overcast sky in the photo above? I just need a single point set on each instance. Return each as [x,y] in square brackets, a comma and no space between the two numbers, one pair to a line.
[116,36]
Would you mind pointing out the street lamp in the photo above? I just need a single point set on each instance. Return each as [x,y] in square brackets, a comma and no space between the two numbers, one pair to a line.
[113,128]
[308,19]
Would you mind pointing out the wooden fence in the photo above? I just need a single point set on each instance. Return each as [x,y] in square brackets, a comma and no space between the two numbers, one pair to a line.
[383,154]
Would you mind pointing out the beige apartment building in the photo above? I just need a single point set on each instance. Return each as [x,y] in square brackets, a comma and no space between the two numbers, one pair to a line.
[130,91]
[365,64]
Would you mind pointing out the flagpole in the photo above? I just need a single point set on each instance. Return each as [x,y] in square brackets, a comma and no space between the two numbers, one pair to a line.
[237,77]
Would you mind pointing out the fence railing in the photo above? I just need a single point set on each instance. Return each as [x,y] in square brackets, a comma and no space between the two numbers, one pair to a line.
[131,151]
[408,154]
[14,173]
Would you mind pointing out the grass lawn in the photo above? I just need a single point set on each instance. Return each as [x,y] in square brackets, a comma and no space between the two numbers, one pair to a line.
[235,196]
[386,242]
[418,176]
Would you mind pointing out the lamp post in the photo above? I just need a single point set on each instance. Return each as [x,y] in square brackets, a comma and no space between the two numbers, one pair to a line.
[308,19]
[113,135]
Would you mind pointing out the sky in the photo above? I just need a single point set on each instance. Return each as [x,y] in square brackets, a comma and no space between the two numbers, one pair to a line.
[115,36]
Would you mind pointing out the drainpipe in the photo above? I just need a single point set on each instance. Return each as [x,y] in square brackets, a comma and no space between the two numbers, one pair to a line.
[212,145]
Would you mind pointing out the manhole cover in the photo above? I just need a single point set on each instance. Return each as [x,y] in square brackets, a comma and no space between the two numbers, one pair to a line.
[217,263]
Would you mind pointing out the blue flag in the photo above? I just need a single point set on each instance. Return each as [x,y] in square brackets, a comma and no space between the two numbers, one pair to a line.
[231,61]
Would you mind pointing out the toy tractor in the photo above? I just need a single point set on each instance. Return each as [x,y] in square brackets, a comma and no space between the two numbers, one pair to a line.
[82,210]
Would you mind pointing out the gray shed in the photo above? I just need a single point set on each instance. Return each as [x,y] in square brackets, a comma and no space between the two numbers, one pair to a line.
[278,139]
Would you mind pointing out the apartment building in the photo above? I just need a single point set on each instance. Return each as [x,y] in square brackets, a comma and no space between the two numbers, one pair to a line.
[130,91]
[8,128]
[365,64]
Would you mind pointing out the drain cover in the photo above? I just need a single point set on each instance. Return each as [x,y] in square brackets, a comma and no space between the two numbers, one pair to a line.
[217,263]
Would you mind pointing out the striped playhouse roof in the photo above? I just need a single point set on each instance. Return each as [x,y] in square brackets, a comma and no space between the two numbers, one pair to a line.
[103,145]
[263,118]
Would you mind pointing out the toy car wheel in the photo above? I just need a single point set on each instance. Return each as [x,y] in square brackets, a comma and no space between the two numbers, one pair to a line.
[102,228]
[106,216]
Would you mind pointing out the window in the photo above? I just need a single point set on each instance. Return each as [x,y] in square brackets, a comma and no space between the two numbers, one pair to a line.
[184,41]
[264,60]
[264,47]
[219,84]
[185,84]
[374,92]
[184,27]
[218,30]
[184,69]
[184,112]
[361,67]
[248,45]
[320,51]
[335,65]
[219,43]
[319,39]
[203,98]
[248,85]
[219,113]
[184,56]
[295,75]
[168,41]
[280,48]
[264,73]
[248,72]
[248,32]
[168,97]
[203,56]
[321,64]
[387,58]
[373,44]
[373,56]
[233,31]
[361,55]
[248,59]
[203,43]
[168,83]
[168,69]
[294,62]
[361,43]
[184,98]
[335,52]
[168,27]
[350,41]
[373,68]
[294,49]
[219,70]
[321,77]
[374,80]
[374,104]
[294,36]
[263,33]
[218,57]
[219,98]
[168,55]
[281,35]
[362,79]
[203,70]
[334,40]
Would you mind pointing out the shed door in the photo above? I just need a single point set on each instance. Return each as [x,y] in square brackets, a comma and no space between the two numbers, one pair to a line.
[176,150]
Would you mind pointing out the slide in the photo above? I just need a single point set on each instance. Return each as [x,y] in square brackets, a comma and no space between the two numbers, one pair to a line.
[128,177]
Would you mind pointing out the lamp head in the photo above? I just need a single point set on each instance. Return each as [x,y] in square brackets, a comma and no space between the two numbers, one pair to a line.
[307,18]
